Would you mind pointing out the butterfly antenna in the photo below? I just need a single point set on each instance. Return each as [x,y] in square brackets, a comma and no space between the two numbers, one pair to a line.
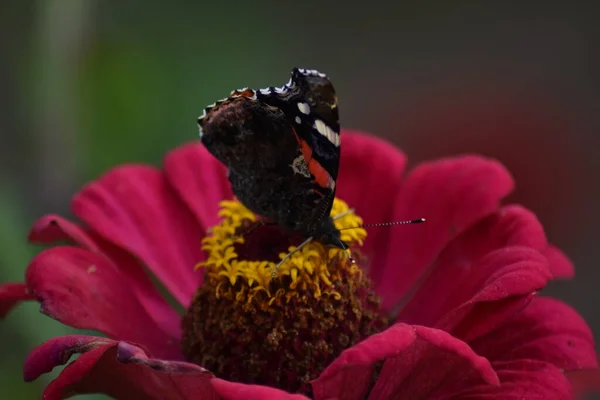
[307,241]
[412,221]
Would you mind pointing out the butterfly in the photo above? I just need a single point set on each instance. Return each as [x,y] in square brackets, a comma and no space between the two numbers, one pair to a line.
[281,146]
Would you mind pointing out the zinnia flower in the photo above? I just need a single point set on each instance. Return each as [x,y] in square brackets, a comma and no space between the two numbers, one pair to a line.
[444,309]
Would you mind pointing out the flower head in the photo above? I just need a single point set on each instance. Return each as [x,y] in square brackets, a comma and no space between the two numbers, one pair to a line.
[246,324]
[444,309]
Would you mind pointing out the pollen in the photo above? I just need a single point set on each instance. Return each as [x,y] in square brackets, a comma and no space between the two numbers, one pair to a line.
[246,325]
[306,269]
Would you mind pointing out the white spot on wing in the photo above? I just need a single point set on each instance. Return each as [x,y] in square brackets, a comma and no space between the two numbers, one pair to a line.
[298,120]
[326,131]
[304,108]
[312,72]
[265,91]
[299,166]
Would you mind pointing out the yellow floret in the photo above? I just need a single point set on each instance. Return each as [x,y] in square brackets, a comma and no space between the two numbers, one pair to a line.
[304,271]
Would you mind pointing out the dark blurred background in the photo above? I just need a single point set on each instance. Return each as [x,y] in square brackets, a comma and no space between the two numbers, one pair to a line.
[88,84]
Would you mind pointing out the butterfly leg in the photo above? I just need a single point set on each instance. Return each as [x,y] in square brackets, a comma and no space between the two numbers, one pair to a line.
[345,247]
[307,241]
[340,215]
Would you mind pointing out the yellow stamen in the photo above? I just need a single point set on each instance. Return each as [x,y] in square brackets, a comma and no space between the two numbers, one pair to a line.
[305,271]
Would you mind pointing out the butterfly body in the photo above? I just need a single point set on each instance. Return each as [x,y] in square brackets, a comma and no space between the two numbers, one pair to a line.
[281,147]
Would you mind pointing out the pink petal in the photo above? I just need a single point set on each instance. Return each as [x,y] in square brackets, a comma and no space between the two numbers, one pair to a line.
[519,380]
[407,372]
[200,181]
[58,351]
[519,273]
[119,369]
[83,289]
[584,382]
[135,208]
[369,181]
[235,391]
[547,330]
[53,228]
[483,276]
[436,357]
[349,376]
[452,194]
[12,294]
[560,265]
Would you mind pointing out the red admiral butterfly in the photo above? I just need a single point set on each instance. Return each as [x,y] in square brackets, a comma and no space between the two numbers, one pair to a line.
[281,146]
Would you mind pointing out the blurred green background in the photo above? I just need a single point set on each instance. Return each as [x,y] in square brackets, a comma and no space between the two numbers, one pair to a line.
[90,84]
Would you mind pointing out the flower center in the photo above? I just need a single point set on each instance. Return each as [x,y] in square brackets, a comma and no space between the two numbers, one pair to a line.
[247,326]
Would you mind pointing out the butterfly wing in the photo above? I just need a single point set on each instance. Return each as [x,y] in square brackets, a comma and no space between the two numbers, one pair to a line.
[309,101]
[282,148]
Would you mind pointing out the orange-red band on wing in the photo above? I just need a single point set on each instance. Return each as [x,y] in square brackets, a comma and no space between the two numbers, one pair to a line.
[321,175]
